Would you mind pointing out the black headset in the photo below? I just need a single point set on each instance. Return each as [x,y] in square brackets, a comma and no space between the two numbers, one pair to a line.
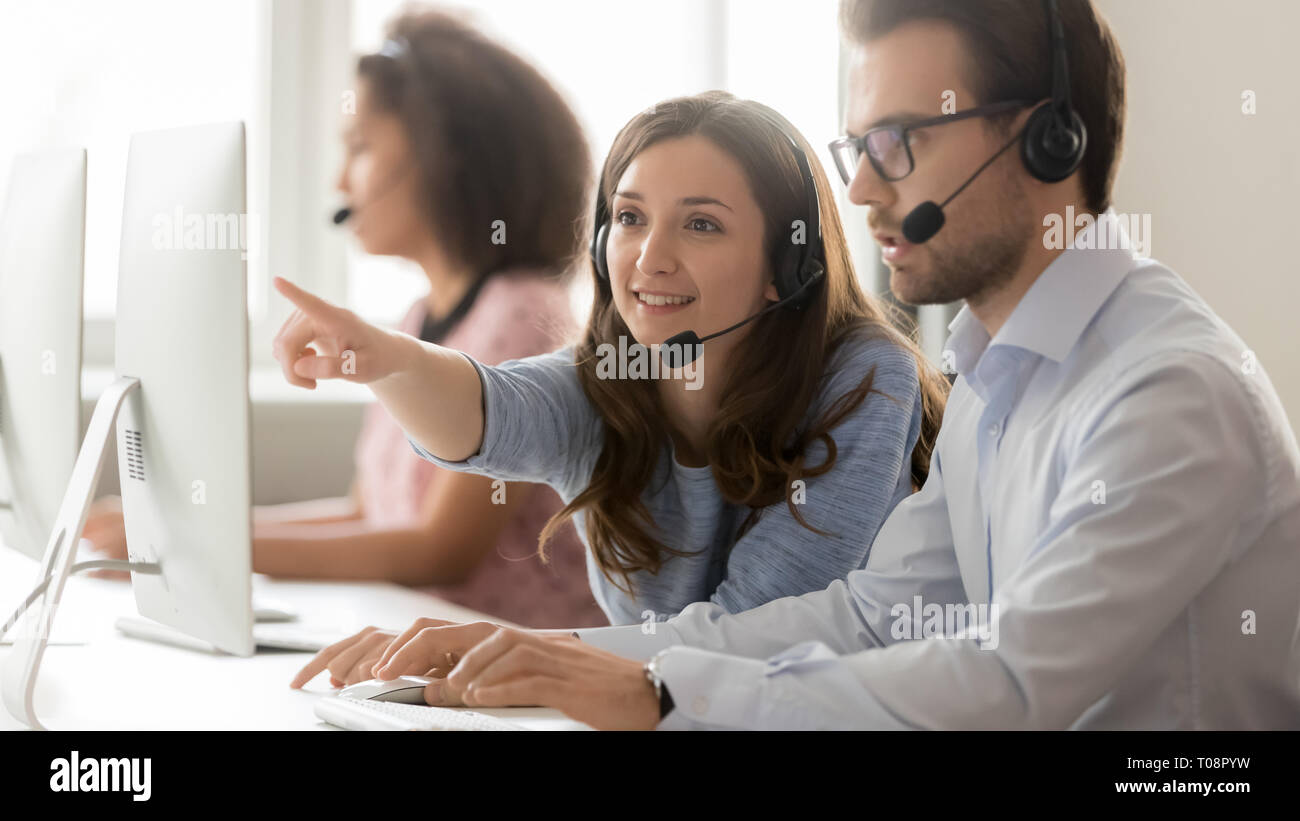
[1055,138]
[1052,142]
[798,267]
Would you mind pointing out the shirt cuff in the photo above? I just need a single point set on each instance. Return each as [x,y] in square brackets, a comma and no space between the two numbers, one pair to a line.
[630,641]
[805,687]
[710,690]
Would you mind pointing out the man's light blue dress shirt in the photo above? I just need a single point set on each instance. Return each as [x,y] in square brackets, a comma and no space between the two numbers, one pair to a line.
[1115,482]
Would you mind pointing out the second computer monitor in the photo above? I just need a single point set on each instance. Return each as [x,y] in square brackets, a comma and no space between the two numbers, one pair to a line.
[42,241]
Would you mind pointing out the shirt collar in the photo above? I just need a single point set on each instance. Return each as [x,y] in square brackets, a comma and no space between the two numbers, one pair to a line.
[1053,313]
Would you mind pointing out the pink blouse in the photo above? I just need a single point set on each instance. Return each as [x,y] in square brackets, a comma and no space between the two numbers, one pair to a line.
[516,314]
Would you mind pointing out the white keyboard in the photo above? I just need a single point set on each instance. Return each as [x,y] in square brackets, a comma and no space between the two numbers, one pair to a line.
[353,714]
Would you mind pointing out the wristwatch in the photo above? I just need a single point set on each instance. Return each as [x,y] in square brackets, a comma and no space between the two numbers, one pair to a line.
[652,674]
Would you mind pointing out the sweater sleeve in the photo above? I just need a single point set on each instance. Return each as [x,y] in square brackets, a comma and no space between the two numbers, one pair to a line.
[538,423]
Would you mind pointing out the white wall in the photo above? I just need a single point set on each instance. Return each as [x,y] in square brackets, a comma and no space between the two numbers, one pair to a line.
[1219,184]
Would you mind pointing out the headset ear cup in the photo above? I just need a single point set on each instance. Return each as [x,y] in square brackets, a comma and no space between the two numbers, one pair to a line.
[1052,165]
[793,273]
[814,271]
[786,274]
[598,251]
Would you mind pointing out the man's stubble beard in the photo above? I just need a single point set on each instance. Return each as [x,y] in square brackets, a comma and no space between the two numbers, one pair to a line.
[979,262]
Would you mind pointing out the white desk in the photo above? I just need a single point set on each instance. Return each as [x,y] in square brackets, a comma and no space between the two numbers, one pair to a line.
[117,683]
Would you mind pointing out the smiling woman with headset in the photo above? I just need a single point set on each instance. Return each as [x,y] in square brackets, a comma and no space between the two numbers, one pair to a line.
[769,477]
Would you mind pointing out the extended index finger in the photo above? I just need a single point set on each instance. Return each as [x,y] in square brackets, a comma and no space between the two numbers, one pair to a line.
[308,302]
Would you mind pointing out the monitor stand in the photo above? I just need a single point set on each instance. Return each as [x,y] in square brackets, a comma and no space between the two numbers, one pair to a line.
[33,631]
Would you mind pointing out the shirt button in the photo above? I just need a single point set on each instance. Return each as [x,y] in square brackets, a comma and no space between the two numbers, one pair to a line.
[994,429]
[701,705]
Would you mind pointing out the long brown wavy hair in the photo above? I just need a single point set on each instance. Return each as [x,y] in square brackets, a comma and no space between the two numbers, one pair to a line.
[755,445]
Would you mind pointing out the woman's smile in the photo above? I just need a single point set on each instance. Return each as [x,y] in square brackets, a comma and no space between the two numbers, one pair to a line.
[661,302]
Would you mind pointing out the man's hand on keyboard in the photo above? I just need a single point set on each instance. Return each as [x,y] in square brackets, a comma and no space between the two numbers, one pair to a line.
[495,666]
[359,657]
[430,647]
[480,664]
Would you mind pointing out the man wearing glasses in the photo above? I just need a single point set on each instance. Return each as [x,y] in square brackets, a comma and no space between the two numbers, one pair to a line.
[1110,533]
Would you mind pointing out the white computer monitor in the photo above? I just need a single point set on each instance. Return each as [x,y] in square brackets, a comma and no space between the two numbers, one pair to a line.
[42,252]
[179,406]
[182,331]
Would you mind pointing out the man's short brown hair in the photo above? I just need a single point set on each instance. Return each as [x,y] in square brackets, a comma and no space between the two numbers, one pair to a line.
[1011,59]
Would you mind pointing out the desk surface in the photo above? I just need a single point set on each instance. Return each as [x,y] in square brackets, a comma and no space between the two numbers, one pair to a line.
[117,683]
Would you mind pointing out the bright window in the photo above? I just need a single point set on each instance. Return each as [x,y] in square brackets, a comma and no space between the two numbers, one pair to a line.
[89,73]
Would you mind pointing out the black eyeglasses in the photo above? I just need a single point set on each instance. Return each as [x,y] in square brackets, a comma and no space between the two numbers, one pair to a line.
[888,147]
